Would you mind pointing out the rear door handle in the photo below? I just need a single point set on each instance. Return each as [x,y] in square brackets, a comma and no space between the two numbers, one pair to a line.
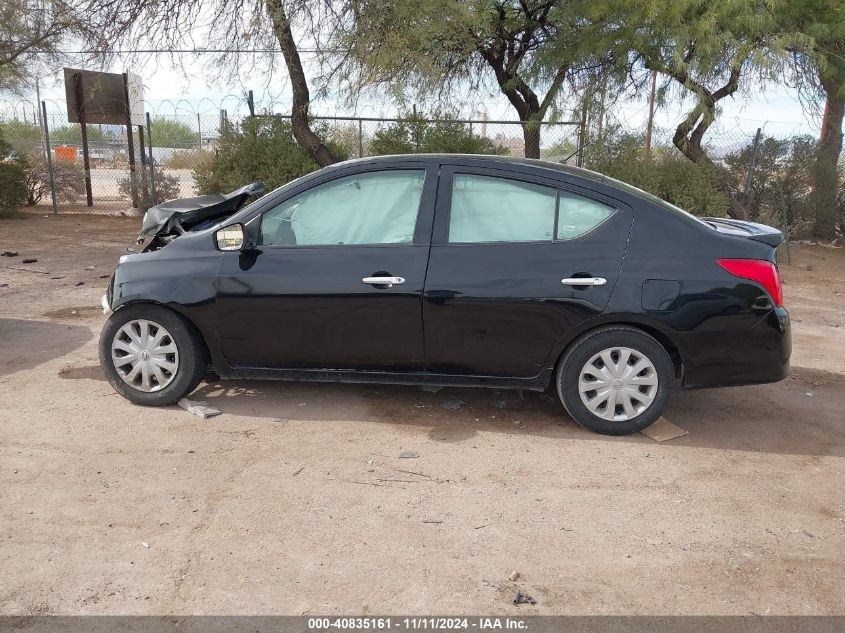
[584,281]
[384,281]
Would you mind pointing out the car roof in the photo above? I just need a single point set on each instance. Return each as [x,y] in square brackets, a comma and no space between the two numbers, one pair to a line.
[476,159]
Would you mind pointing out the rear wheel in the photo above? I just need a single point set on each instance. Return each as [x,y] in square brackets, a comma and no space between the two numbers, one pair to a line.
[151,355]
[615,380]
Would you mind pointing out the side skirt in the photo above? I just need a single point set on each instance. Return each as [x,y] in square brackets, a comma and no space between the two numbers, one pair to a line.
[535,383]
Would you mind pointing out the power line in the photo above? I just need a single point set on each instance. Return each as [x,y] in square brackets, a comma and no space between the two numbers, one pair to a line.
[190,51]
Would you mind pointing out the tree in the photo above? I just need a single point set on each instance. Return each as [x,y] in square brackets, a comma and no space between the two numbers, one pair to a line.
[705,49]
[820,71]
[31,31]
[435,45]
[169,133]
[230,27]
[72,133]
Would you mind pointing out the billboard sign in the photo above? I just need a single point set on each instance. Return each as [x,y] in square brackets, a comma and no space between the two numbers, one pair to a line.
[104,97]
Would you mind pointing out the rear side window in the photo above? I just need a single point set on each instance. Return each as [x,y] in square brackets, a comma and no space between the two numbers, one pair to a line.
[489,209]
[578,215]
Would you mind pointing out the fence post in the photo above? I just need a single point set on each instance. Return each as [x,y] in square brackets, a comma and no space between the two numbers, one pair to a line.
[133,184]
[49,156]
[582,137]
[153,198]
[145,199]
[360,138]
[785,222]
[749,178]
[199,128]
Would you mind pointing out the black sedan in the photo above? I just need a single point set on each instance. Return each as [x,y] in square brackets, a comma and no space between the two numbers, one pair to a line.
[450,270]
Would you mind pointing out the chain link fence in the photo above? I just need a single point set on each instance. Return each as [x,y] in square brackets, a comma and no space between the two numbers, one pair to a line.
[762,178]
[175,145]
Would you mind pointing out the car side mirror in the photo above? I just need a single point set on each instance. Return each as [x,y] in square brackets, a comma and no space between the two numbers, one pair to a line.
[230,238]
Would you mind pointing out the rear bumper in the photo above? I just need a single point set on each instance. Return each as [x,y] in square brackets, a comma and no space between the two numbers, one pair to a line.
[745,357]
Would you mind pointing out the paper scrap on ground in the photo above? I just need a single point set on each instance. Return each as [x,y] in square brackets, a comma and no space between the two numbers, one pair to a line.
[663,430]
[198,407]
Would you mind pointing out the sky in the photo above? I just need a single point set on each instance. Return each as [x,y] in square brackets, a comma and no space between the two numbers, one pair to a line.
[191,88]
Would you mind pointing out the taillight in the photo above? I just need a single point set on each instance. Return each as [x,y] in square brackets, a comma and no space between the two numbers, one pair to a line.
[759,270]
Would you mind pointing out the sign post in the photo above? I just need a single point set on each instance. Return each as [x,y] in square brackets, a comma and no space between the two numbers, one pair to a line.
[106,99]
[83,128]
[133,182]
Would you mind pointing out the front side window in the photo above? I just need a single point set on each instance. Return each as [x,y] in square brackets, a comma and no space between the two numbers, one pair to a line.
[372,208]
[490,209]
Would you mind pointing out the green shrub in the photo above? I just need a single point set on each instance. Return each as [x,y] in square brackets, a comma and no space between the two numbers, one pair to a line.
[12,179]
[668,175]
[68,176]
[12,187]
[167,187]
[413,134]
[261,149]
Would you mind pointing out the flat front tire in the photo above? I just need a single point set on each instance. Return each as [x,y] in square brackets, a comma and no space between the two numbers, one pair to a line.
[151,355]
[615,380]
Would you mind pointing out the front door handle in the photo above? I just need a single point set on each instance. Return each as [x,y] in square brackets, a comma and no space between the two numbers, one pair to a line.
[584,281]
[384,281]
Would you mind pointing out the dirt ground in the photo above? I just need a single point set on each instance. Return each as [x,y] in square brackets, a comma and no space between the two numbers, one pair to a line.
[296,501]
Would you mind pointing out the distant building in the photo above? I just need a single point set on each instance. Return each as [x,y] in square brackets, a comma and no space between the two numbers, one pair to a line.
[515,145]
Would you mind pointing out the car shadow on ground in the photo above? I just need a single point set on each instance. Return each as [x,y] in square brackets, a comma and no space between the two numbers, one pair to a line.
[797,416]
[27,343]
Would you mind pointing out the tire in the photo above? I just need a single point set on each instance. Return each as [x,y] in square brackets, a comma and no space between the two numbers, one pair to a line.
[174,364]
[637,401]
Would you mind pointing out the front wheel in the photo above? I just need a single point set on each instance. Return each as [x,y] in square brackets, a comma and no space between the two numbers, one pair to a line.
[151,355]
[615,380]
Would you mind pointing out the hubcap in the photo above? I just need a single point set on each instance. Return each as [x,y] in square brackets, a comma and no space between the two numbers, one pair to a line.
[145,355]
[618,384]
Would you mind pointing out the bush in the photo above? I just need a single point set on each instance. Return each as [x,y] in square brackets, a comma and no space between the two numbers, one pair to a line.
[12,180]
[668,175]
[186,159]
[12,187]
[413,134]
[258,149]
[68,176]
[167,187]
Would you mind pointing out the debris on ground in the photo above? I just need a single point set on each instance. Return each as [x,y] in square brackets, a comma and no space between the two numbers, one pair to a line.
[408,455]
[523,598]
[145,544]
[80,283]
[452,405]
[199,408]
[432,520]
[514,576]
[299,470]
[663,430]
[8,254]
[431,388]
[30,260]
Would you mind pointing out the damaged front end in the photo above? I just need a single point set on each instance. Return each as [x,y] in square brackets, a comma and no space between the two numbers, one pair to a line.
[168,220]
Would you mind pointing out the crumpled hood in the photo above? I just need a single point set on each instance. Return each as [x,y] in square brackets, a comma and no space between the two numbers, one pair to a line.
[185,214]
